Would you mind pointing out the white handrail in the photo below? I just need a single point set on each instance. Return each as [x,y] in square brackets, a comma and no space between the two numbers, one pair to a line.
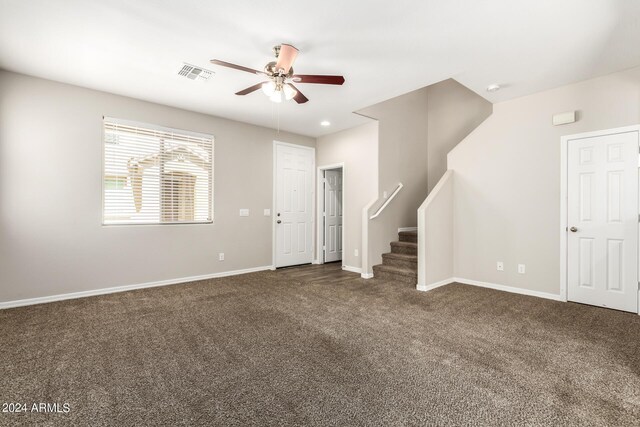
[384,205]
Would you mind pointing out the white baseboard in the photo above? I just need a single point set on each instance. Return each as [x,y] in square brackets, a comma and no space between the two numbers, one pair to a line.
[407,229]
[366,275]
[521,291]
[352,269]
[504,288]
[104,291]
[315,261]
[431,286]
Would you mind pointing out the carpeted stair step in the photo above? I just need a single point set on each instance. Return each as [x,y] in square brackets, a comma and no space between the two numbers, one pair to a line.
[409,262]
[395,274]
[407,248]
[408,236]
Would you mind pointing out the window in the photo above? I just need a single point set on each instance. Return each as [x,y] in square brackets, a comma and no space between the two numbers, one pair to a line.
[154,175]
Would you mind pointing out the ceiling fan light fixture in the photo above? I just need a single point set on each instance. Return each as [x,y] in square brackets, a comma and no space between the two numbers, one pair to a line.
[276,96]
[289,92]
[268,88]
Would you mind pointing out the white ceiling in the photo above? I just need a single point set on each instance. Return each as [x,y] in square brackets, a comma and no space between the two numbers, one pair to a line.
[383,48]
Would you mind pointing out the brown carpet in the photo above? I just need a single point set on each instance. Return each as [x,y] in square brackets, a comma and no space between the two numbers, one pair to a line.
[316,346]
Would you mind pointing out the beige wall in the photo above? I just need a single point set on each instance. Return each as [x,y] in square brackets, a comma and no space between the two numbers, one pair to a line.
[357,148]
[453,112]
[51,238]
[402,152]
[507,179]
[402,158]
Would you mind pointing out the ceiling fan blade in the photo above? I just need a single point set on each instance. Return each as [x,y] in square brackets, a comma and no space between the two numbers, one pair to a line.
[286,57]
[299,97]
[324,80]
[236,67]
[250,89]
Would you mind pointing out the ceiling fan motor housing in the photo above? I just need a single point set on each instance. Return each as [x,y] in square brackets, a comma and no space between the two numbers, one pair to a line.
[270,69]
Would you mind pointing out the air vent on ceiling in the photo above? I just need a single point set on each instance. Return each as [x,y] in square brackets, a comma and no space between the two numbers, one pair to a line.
[194,73]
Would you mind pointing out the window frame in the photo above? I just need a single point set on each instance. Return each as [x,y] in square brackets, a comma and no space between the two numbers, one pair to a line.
[158,128]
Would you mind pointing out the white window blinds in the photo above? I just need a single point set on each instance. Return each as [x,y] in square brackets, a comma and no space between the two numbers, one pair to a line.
[155,175]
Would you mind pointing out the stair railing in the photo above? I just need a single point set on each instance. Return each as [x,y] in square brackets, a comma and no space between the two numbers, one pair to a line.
[384,205]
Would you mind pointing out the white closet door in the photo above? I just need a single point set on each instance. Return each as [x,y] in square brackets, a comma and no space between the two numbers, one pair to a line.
[603,221]
[294,218]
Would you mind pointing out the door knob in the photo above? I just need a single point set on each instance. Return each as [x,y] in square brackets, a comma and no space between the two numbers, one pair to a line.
[278,221]
[573,229]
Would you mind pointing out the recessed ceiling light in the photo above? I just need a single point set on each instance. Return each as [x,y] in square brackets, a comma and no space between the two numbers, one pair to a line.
[493,88]
[325,123]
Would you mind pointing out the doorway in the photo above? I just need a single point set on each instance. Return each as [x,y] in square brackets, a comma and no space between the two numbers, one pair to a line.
[293,204]
[330,213]
[600,218]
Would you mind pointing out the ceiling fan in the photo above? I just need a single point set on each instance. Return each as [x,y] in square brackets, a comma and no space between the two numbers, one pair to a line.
[280,76]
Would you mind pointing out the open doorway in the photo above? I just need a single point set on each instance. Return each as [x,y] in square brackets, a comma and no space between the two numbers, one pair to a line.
[330,213]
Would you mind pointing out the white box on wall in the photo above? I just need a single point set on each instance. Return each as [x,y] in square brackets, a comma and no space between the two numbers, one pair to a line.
[564,118]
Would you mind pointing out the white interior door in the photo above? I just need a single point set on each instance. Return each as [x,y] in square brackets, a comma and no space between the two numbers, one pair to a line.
[294,197]
[332,215]
[602,218]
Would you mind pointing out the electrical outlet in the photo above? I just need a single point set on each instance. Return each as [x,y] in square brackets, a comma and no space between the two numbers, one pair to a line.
[500,266]
[221,256]
[267,212]
[521,268]
[355,252]
[244,212]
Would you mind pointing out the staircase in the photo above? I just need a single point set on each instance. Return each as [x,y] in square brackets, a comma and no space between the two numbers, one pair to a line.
[401,265]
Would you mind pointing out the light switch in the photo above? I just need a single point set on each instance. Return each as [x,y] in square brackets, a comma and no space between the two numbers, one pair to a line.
[267,212]
[244,212]
[500,266]
[521,268]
